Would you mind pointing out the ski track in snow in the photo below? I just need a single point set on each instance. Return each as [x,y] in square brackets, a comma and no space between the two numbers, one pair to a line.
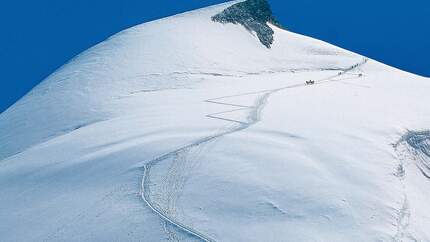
[253,117]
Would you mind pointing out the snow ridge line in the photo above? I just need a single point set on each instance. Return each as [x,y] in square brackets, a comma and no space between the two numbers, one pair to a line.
[253,118]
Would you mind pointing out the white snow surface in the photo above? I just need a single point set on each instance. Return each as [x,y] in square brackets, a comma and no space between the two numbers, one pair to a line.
[185,129]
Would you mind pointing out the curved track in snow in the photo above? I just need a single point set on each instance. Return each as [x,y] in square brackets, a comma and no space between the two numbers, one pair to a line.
[253,117]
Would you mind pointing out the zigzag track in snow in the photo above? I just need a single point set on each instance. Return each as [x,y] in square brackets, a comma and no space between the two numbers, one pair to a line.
[271,91]
[253,117]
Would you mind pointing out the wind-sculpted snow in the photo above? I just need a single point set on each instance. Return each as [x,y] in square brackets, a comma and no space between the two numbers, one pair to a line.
[254,16]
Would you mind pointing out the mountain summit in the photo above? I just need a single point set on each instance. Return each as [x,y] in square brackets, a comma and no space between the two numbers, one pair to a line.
[254,15]
[218,125]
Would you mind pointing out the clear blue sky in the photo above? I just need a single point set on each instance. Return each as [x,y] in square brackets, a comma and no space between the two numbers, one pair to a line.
[37,37]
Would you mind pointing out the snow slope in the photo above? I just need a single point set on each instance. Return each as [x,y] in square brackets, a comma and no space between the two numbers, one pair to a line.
[189,129]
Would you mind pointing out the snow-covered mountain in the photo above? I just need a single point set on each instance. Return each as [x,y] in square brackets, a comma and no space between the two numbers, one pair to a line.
[201,126]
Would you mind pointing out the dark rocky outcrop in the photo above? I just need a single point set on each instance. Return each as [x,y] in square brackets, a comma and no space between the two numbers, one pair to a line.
[254,16]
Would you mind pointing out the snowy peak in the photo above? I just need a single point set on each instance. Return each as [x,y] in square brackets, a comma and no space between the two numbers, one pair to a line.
[151,56]
[189,129]
[254,16]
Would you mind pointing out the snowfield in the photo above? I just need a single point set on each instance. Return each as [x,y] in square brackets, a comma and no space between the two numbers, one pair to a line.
[188,129]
